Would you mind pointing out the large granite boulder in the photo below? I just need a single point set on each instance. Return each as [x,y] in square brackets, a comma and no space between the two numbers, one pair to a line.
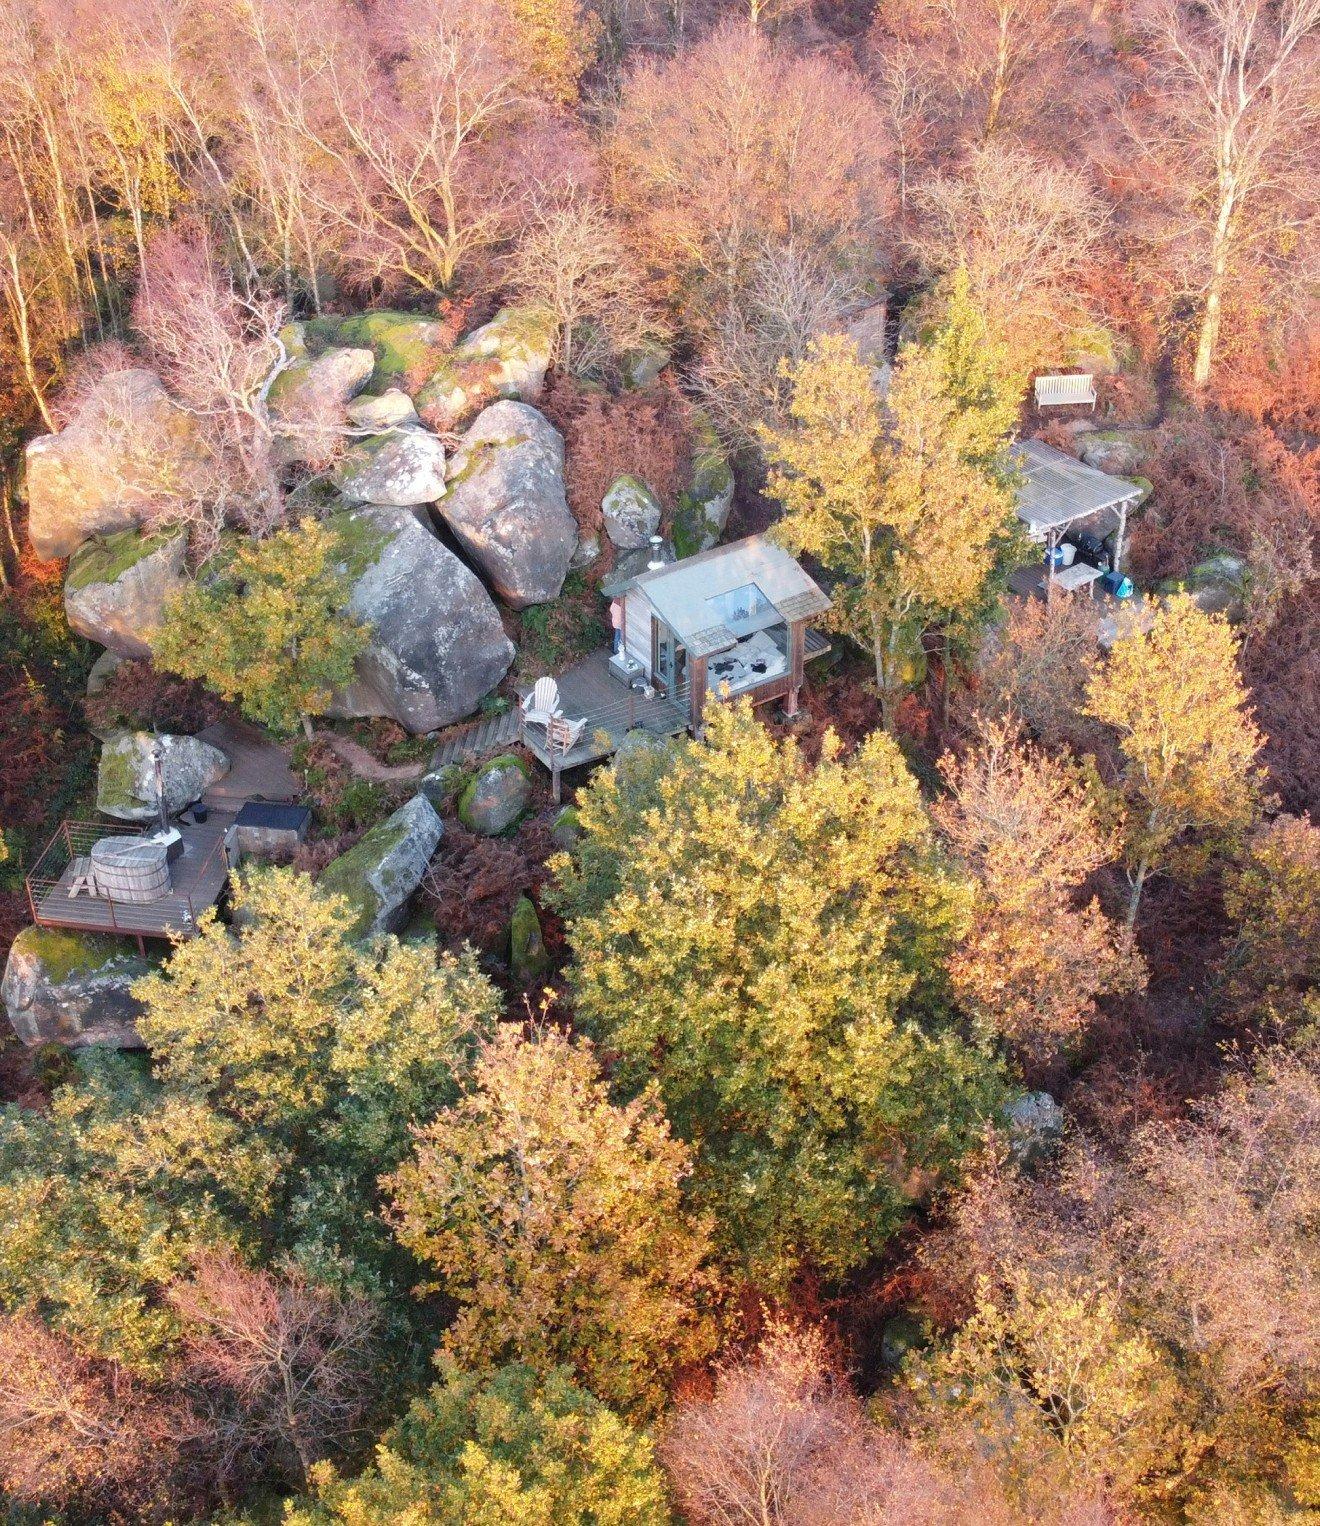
[703,506]
[1112,451]
[506,505]
[437,647]
[309,398]
[385,411]
[496,797]
[378,875]
[631,512]
[72,988]
[109,464]
[117,587]
[403,467]
[507,357]
[408,349]
[126,779]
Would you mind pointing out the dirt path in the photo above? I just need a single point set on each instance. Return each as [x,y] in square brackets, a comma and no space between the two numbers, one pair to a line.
[367,767]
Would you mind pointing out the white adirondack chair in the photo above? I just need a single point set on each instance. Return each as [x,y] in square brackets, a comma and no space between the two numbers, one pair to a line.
[1058,391]
[542,705]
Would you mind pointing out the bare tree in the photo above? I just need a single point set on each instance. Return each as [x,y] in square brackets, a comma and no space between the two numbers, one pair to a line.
[790,298]
[991,63]
[1023,229]
[219,351]
[1240,97]
[281,1366]
[573,262]
[78,1431]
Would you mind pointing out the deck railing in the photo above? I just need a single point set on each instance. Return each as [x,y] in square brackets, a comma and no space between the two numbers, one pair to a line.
[75,840]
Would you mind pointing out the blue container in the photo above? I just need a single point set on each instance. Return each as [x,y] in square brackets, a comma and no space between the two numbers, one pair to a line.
[1119,584]
[1054,558]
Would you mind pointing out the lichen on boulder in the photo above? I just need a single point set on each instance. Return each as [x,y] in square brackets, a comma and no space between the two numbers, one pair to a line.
[405,466]
[117,587]
[631,513]
[126,778]
[436,646]
[309,398]
[378,875]
[72,988]
[507,357]
[506,503]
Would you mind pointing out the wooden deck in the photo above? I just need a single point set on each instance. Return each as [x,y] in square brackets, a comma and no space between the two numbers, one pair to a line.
[588,689]
[197,878]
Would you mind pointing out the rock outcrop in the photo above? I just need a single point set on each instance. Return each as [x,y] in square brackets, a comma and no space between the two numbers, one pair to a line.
[631,512]
[309,398]
[378,875]
[507,357]
[126,779]
[496,797]
[506,506]
[391,407]
[404,467]
[407,349]
[106,468]
[703,506]
[437,647]
[117,587]
[72,988]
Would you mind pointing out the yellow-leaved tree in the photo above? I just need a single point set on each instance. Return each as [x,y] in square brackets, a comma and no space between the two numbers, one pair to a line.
[1190,780]
[554,1220]
[909,503]
[765,940]
[267,624]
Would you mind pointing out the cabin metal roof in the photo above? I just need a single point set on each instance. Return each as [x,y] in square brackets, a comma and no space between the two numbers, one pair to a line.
[679,592]
[1056,489]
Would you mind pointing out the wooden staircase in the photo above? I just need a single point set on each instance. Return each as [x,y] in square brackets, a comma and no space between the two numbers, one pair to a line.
[478,740]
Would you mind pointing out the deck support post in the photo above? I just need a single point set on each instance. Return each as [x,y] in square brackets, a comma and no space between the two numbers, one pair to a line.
[554,775]
[142,946]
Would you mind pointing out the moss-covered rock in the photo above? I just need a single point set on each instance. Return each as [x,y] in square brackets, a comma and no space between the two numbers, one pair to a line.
[407,348]
[703,506]
[378,875]
[73,988]
[507,357]
[528,960]
[117,587]
[631,512]
[499,793]
[566,829]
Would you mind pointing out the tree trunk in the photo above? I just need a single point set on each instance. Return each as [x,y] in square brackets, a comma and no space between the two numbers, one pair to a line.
[1221,244]
[1134,903]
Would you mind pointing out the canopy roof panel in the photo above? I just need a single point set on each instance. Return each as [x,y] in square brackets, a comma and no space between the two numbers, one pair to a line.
[1057,489]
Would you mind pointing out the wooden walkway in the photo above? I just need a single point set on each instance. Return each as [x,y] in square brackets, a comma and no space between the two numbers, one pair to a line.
[258,768]
[478,740]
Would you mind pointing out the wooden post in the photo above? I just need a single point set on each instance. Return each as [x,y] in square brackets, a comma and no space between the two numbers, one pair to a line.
[554,774]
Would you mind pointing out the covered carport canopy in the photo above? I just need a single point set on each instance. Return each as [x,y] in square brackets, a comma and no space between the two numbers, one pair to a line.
[1058,492]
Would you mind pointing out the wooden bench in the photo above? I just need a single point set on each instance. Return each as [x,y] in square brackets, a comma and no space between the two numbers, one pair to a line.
[1058,391]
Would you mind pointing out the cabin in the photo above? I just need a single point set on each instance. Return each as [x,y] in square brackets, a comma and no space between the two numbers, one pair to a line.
[733,621]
